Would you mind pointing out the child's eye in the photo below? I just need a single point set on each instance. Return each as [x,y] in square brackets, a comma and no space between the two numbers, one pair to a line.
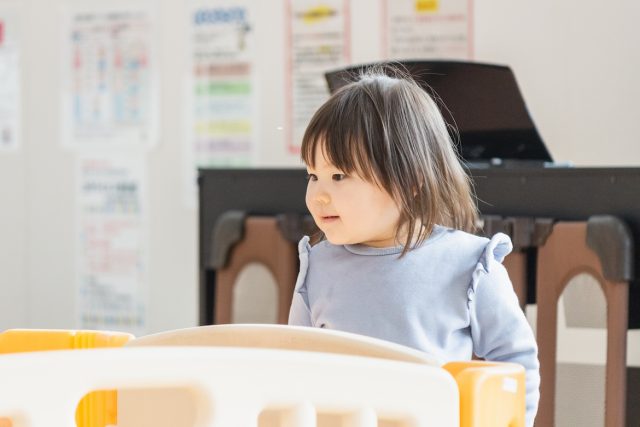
[311,177]
[338,176]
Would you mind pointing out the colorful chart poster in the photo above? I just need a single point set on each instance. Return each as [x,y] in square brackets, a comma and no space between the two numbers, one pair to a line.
[9,80]
[111,247]
[110,89]
[319,40]
[223,91]
[427,29]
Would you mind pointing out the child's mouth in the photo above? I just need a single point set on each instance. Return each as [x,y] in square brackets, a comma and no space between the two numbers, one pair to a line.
[330,218]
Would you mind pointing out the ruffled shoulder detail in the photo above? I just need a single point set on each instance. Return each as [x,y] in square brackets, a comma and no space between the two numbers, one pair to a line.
[303,252]
[303,245]
[494,253]
[498,247]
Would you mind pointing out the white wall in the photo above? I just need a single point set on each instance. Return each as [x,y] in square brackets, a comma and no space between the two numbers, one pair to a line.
[576,63]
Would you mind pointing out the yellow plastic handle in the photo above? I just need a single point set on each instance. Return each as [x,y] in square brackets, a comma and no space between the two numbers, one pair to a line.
[491,393]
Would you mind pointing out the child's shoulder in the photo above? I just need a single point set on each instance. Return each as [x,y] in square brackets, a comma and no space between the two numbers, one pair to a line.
[453,234]
[445,236]
[471,246]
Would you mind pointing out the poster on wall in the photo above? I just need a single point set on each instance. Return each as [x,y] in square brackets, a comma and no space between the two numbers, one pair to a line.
[9,80]
[222,91]
[318,40]
[110,96]
[427,29]
[111,246]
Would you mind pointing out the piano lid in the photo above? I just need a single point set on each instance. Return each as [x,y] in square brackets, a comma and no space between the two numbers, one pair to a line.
[489,111]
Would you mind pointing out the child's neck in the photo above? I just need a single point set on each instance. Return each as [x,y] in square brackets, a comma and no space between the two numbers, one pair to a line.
[401,237]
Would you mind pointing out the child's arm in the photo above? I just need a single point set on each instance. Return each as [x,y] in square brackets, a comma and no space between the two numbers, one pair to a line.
[300,313]
[499,328]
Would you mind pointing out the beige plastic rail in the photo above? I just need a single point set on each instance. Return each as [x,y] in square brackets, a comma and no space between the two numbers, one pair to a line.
[285,338]
[232,386]
[491,394]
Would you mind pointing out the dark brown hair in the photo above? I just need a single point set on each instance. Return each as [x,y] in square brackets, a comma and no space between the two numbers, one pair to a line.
[388,130]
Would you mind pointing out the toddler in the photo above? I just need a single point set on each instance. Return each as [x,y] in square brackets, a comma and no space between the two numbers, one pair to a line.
[396,208]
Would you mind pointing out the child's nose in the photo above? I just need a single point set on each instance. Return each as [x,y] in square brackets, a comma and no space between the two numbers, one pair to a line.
[322,197]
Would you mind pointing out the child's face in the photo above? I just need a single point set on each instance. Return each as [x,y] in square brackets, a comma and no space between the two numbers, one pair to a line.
[348,209]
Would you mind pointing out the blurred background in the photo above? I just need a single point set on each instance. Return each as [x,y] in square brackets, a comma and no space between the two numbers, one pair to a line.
[105,105]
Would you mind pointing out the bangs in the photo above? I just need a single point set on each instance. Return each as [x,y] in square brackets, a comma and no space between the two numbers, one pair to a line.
[350,138]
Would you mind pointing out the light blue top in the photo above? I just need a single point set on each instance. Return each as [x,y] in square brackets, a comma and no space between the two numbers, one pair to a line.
[449,297]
